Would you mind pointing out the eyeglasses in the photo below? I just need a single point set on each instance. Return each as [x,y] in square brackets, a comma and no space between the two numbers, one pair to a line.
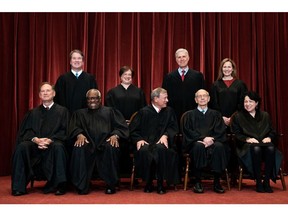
[204,96]
[92,98]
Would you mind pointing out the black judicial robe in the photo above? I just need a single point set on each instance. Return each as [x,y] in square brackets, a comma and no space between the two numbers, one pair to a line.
[181,94]
[149,125]
[41,123]
[197,126]
[97,125]
[127,101]
[245,126]
[71,92]
[227,100]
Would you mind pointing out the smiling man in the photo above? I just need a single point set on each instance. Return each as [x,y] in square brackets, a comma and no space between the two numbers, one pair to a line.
[72,86]
[41,141]
[96,132]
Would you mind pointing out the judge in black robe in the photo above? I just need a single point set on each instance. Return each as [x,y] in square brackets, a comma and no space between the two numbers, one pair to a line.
[204,138]
[255,142]
[128,99]
[181,93]
[41,143]
[70,90]
[152,132]
[227,97]
[96,130]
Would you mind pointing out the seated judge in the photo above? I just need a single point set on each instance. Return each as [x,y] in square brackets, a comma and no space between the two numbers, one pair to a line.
[255,142]
[96,131]
[204,137]
[152,132]
[41,142]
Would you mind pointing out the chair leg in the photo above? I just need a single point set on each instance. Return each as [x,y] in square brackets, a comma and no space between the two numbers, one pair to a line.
[32,183]
[282,179]
[186,173]
[240,178]
[132,177]
[227,179]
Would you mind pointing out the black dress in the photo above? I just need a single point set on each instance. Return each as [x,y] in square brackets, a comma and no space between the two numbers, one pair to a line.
[127,101]
[245,126]
[227,100]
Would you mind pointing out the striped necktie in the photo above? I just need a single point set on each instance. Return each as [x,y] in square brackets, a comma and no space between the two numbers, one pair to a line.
[183,75]
[77,75]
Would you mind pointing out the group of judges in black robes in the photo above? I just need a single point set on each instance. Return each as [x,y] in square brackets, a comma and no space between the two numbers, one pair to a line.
[73,151]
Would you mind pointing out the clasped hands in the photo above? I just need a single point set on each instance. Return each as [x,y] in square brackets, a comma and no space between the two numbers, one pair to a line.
[163,140]
[42,143]
[207,141]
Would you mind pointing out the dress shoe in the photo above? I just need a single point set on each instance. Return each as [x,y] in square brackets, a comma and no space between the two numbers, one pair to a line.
[82,192]
[48,188]
[18,193]
[149,188]
[110,190]
[259,188]
[61,189]
[161,189]
[198,188]
[267,188]
[218,188]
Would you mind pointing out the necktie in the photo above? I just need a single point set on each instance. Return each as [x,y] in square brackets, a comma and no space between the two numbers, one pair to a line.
[183,75]
[76,74]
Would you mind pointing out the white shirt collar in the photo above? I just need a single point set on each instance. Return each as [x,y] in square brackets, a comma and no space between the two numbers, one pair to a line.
[74,72]
[156,108]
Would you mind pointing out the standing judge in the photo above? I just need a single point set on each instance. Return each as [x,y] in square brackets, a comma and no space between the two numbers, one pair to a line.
[152,132]
[128,99]
[40,142]
[72,86]
[182,84]
[96,131]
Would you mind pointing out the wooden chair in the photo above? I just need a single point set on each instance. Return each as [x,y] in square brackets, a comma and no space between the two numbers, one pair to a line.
[188,159]
[241,173]
[280,173]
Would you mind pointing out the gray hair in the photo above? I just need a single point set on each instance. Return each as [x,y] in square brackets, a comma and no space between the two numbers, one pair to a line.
[156,92]
[181,50]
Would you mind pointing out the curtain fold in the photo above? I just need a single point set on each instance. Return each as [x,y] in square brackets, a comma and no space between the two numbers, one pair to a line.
[35,48]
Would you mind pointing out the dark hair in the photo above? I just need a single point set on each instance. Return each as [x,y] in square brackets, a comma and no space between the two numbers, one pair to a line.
[253,96]
[124,69]
[220,72]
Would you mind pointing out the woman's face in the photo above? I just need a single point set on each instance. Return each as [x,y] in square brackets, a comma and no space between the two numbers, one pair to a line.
[227,68]
[250,105]
[126,77]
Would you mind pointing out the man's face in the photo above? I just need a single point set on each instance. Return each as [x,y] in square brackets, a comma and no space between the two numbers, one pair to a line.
[202,98]
[162,101]
[182,59]
[76,61]
[93,100]
[46,93]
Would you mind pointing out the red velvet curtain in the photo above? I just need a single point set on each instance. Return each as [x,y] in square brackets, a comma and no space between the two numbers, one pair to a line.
[35,48]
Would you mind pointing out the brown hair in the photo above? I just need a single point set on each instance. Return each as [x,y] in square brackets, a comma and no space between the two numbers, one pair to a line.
[234,72]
